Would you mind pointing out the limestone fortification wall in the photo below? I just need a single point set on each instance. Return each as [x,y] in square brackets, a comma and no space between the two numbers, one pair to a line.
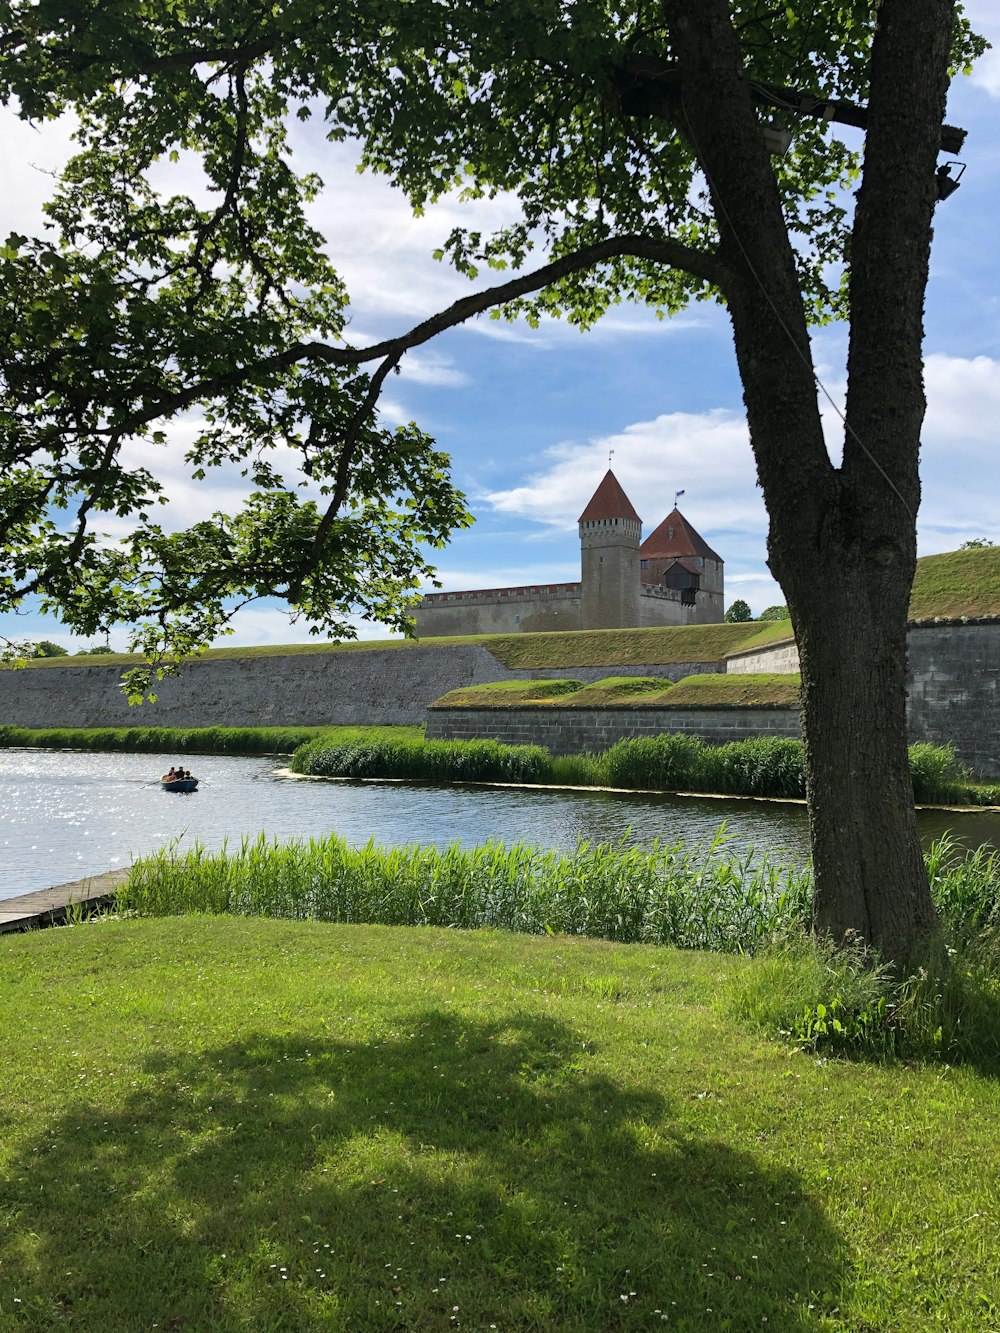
[541,607]
[579,730]
[954,688]
[391,686]
[781,658]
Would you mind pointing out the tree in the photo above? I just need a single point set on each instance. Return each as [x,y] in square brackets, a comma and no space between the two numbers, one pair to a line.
[976,544]
[632,138]
[774,613]
[738,612]
[46,648]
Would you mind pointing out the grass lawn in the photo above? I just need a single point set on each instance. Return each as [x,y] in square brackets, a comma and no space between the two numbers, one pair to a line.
[215,1123]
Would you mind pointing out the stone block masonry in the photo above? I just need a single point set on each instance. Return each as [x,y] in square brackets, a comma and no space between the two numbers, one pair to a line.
[388,686]
[953,690]
[590,730]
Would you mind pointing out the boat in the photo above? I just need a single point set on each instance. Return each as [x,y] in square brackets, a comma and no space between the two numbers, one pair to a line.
[179,784]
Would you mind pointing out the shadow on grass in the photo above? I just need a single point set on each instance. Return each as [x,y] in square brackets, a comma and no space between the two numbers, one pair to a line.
[450,1174]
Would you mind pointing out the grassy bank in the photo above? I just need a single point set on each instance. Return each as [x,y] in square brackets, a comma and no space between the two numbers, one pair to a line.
[199,740]
[216,1124]
[765,767]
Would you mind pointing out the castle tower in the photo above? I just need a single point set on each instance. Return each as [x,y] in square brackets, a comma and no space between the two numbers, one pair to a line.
[610,531]
[676,557]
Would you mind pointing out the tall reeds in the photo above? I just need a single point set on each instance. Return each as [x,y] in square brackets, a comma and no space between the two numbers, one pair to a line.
[690,897]
[768,766]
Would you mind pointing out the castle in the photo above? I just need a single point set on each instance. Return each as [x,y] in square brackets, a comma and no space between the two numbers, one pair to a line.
[672,578]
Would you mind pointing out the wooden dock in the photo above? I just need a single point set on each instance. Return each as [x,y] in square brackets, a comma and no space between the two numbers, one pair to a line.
[45,907]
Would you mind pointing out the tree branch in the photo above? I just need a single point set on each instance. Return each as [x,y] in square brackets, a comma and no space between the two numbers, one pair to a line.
[701,264]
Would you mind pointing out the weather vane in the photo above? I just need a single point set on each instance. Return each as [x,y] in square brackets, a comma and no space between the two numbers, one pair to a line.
[677,496]
[610,453]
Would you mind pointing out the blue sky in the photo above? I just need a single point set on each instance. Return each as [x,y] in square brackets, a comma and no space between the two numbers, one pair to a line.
[529,416]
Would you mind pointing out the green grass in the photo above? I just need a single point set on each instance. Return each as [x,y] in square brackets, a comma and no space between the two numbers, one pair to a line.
[957,584]
[508,694]
[432,761]
[703,691]
[766,690]
[216,1124]
[691,897]
[199,740]
[607,647]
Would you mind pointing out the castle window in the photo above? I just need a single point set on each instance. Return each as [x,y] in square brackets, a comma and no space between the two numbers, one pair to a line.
[643,564]
[688,596]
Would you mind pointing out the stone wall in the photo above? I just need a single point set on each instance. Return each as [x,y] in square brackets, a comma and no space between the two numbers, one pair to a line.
[376,685]
[953,691]
[663,606]
[582,730]
[539,607]
[780,658]
[953,687]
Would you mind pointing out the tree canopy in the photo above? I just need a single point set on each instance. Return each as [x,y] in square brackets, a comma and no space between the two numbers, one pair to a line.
[738,612]
[146,308]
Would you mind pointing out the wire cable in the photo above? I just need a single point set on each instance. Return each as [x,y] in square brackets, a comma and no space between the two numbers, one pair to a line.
[803,356]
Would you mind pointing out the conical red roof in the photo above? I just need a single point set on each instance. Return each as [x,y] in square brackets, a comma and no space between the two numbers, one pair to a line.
[676,537]
[609,501]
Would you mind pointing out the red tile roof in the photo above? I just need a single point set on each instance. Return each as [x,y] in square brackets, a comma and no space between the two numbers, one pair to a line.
[609,501]
[676,537]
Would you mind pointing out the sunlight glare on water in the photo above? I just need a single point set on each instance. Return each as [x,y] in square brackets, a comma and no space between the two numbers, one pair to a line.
[67,814]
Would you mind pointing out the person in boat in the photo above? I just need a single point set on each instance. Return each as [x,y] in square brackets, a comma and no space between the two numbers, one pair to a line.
[170,776]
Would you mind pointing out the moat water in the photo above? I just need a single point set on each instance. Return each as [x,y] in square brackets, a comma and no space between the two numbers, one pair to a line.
[65,815]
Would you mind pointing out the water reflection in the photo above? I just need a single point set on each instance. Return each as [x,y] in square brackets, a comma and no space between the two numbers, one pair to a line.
[64,815]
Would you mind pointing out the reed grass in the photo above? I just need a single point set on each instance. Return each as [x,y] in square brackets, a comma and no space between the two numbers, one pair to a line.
[449,761]
[766,766]
[195,740]
[692,897]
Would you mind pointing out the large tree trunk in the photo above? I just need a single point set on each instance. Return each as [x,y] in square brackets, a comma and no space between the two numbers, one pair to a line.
[869,873]
[842,540]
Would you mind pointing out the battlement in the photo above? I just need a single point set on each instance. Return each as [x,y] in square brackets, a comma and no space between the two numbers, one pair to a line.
[532,590]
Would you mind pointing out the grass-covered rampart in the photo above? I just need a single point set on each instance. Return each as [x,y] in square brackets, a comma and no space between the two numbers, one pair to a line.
[606,647]
[957,585]
[701,691]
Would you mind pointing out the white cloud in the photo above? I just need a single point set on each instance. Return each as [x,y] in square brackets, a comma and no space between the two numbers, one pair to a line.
[268,624]
[705,454]
[431,368]
[505,576]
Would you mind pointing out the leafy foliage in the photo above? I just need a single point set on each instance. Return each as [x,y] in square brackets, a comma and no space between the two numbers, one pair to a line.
[779,612]
[46,648]
[739,612]
[148,311]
